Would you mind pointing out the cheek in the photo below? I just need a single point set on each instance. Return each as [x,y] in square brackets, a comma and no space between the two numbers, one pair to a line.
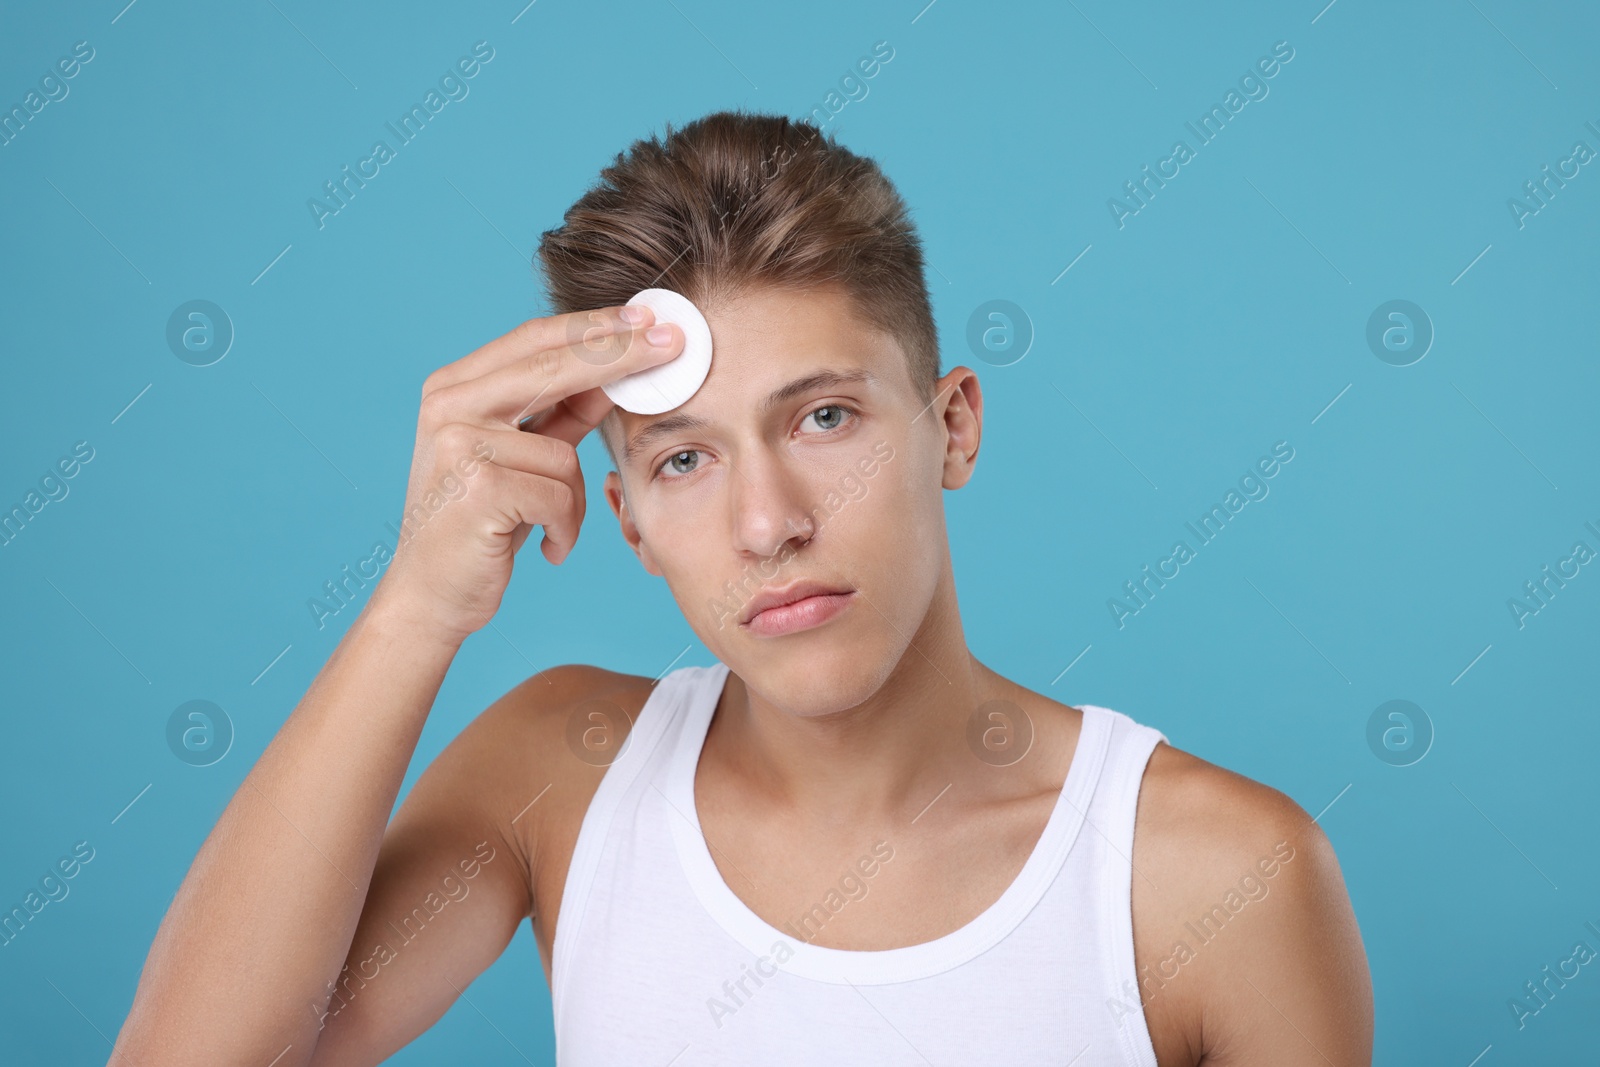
[913,490]
[911,478]
[895,518]
[664,533]
[683,534]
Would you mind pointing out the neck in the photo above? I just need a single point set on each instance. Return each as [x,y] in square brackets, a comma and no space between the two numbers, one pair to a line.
[889,754]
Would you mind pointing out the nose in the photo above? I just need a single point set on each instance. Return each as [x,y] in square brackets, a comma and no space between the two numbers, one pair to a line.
[770,507]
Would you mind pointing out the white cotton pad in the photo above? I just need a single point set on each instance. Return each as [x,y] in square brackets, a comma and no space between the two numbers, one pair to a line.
[667,385]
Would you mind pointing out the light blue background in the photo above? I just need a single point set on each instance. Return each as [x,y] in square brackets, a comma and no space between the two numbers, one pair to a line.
[1228,315]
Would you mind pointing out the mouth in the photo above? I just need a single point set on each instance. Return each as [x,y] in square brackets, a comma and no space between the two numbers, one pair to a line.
[798,606]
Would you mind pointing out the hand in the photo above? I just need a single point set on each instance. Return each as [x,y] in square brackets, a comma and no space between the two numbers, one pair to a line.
[485,471]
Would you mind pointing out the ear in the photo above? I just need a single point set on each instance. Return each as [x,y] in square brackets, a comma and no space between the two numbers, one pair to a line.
[962,417]
[630,532]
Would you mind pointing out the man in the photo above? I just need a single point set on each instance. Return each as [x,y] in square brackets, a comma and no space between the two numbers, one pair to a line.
[848,840]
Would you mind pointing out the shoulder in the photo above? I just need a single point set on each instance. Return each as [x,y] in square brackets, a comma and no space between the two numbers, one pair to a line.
[544,700]
[1242,918]
[563,721]
[1205,834]
[541,744]
[1192,811]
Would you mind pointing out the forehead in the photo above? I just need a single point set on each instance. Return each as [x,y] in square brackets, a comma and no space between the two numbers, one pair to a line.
[767,338]
[753,323]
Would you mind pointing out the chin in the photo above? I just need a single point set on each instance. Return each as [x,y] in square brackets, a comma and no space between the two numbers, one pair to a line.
[814,673]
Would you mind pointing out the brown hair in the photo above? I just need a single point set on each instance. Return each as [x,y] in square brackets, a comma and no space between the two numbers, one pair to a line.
[736,201]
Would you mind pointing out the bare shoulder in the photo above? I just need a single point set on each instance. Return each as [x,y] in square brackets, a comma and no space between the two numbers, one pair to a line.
[541,707]
[1192,812]
[550,740]
[477,821]
[1245,940]
[553,735]
[537,750]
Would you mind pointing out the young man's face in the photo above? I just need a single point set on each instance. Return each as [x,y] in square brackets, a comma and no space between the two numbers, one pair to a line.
[775,473]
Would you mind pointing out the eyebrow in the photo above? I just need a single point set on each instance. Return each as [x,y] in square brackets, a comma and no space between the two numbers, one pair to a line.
[672,424]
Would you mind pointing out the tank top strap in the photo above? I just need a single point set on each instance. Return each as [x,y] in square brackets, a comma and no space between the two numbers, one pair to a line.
[1113,814]
[640,765]
[1129,745]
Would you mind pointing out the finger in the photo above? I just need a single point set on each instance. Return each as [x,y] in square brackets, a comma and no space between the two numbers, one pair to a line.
[571,419]
[535,335]
[519,536]
[542,457]
[481,455]
[534,500]
[508,394]
[531,452]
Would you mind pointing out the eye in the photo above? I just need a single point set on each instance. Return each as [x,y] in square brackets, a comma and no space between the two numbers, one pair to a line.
[682,463]
[830,416]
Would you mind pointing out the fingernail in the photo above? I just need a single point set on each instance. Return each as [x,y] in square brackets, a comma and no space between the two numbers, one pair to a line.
[631,313]
[658,335]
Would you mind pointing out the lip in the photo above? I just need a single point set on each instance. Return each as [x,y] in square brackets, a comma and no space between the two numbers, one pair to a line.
[797,606]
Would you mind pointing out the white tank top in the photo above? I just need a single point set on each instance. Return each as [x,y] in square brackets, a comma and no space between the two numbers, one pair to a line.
[657,962]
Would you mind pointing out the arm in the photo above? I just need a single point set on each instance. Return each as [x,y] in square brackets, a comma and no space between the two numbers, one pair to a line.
[1248,947]
[452,881]
[1295,987]
[455,873]
[244,964]
[271,900]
